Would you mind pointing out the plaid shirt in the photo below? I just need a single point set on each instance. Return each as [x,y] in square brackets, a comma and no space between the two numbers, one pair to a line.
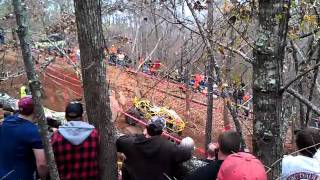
[76,162]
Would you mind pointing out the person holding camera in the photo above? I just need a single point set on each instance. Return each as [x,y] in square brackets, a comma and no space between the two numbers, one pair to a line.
[228,143]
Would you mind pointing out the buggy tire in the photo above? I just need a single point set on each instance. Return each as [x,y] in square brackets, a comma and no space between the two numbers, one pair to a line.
[135,113]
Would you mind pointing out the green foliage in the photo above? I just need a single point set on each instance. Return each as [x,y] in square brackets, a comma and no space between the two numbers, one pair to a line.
[294,4]
[293,36]
[278,18]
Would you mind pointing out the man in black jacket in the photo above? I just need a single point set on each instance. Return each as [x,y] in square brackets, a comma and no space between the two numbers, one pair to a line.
[149,156]
[228,143]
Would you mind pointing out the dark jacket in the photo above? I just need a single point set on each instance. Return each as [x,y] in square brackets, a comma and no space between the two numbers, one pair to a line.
[150,159]
[208,172]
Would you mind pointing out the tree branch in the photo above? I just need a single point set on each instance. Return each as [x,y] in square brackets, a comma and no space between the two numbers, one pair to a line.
[243,55]
[309,34]
[206,40]
[298,50]
[302,99]
[234,115]
[285,87]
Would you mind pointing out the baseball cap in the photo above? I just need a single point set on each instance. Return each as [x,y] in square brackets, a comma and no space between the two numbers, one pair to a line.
[242,166]
[156,126]
[157,122]
[74,109]
[26,105]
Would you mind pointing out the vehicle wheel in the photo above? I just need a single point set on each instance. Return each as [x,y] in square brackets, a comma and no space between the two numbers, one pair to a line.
[135,113]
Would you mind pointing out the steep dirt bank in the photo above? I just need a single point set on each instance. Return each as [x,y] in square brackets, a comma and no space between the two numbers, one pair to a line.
[61,85]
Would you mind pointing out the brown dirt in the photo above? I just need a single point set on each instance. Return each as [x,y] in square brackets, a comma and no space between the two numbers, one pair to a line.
[61,85]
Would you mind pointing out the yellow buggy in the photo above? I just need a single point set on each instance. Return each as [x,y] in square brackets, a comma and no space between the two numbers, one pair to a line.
[145,110]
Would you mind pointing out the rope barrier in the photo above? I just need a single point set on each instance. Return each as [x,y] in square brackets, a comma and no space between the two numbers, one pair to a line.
[55,77]
[66,75]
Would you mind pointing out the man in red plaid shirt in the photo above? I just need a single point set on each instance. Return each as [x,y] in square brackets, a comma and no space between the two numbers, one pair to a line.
[75,146]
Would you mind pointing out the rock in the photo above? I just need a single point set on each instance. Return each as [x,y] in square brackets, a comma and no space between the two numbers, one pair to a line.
[8,101]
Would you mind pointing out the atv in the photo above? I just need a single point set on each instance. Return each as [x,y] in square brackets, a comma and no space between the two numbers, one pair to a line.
[144,110]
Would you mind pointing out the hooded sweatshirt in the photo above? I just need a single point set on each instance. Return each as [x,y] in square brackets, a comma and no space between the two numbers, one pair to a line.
[300,167]
[150,158]
[76,131]
[75,146]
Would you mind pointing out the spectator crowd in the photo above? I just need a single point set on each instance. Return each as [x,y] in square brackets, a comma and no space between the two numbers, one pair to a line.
[146,156]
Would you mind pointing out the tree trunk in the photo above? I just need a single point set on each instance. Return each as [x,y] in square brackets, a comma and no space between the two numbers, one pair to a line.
[237,124]
[91,42]
[313,84]
[34,83]
[208,130]
[300,89]
[229,57]
[267,78]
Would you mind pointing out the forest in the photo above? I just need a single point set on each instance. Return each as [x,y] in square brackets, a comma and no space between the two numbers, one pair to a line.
[205,66]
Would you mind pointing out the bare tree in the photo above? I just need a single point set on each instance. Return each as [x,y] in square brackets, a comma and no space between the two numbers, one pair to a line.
[91,41]
[34,83]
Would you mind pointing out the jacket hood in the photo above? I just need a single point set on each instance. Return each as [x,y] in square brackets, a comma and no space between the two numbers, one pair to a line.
[148,146]
[76,131]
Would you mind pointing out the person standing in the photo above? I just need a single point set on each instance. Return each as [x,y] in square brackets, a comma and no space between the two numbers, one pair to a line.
[242,165]
[75,146]
[21,148]
[306,165]
[228,143]
[211,153]
[148,155]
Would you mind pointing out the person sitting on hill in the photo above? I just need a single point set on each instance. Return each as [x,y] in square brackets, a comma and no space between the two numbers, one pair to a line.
[306,165]
[228,143]
[242,165]
[148,155]
[155,67]
[75,146]
[120,57]
[21,148]
[112,51]
[197,79]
